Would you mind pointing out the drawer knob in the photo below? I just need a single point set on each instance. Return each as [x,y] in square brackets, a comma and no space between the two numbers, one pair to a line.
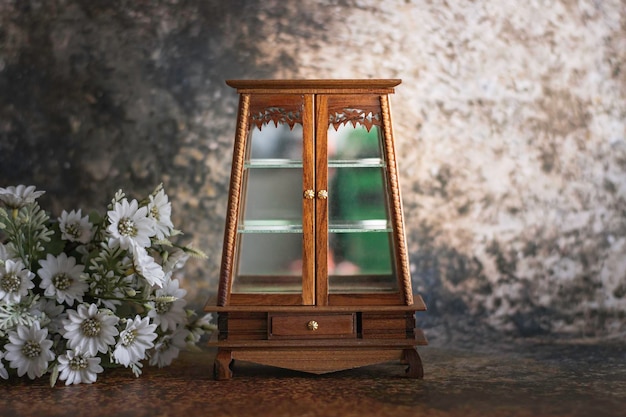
[312,325]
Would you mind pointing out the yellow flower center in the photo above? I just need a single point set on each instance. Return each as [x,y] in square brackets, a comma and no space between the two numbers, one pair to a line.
[10,283]
[126,227]
[72,229]
[78,363]
[162,307]
[154,213]
[31,349]
[61,281]
[90,327]
[129,337]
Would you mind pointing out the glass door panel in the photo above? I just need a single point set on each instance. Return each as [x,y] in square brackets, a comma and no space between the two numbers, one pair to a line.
[273,198]
[275,144]
[357,196]
[269,249]
[354,144]
[361,260]
[360,253]
[269,263]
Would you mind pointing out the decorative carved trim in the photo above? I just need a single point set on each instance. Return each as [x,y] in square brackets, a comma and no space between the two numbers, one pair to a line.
[232,214]
[365,117]
[396,209]
[276,115]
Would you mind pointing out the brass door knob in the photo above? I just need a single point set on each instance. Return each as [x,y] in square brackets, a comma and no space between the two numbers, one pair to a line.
[322,194]
[309,194]
[312,325]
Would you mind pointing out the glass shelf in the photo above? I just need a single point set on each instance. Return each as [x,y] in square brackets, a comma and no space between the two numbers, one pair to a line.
[360,226]
[269,226]
[285,226]
[357,163]
[336,163]
[273,163]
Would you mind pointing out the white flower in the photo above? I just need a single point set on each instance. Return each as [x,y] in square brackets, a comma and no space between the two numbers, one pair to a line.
[5,253]
[130,225]
[74,227]
[160,209]
[146,267]
[169,315]
[166,349]
[60,278]
[53,311]
[200,327]
[15,281]
[89,330]
[138,336]
[76,368]
[18,197]
[176,259]
[3,371]
[29,351]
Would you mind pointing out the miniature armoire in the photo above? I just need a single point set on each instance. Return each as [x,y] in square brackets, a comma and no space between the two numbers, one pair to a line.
[314,274]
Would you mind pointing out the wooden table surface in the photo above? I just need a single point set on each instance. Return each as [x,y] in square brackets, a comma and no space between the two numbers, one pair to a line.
[536,380]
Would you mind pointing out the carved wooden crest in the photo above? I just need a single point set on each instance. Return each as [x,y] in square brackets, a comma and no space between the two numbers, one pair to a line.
[276,115]
[363,117]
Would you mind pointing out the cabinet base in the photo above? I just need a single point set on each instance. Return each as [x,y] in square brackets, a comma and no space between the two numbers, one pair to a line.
[317,360]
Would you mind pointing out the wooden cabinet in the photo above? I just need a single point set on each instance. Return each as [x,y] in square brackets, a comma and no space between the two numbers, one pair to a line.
[314,260]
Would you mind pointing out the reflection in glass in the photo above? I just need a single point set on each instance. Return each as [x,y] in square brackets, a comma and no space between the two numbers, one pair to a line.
[269,263]
[353,143]
[273,194]
[361,262]
[275,143]
[269,238]
[360,250]
[356,194]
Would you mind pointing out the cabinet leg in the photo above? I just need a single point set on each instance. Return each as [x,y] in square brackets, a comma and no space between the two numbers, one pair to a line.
[415,369]
[222,365]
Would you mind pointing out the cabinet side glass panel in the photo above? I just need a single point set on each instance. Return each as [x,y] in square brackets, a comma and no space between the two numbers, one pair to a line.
[360,245]
[269,236]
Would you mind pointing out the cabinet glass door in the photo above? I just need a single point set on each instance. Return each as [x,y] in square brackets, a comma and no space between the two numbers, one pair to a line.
[270,234]
[360,245]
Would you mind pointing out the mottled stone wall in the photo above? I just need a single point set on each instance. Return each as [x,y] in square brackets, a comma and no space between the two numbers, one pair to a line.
[511,128]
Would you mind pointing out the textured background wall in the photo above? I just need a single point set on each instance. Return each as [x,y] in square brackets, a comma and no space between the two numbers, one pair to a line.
[511,128]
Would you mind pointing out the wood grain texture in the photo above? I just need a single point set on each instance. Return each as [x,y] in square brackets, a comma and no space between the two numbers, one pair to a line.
[308,205]
[321,206]
[517,379]
[318,86]
[418,305]
[318,360]
[296,326]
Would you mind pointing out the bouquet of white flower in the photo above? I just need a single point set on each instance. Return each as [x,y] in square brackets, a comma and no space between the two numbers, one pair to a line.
[86,292]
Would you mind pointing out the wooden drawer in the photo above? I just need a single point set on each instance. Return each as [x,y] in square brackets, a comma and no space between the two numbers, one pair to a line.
[304,326]
[242,326]
[387,325]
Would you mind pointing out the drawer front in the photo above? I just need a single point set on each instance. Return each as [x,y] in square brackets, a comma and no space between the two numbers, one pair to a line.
[242,326]
[388,325]
[317,326]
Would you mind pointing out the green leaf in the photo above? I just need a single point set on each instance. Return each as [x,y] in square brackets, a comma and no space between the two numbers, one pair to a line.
[54,375]
[196,253]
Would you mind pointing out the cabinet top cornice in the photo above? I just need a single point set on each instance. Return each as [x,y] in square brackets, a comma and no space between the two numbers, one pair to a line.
[316,86]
